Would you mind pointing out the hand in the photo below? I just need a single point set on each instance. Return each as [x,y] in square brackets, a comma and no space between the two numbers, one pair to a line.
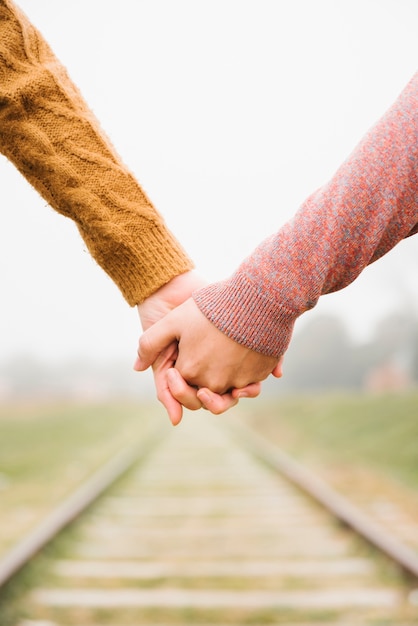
[168,297]
[172,389]
[206,357]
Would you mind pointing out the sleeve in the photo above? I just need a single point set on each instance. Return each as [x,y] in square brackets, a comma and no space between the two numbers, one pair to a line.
[55,141]
[369,205]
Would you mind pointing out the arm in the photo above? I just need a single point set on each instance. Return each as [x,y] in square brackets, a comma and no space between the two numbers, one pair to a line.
[55,141]
[368,206]
[53,138]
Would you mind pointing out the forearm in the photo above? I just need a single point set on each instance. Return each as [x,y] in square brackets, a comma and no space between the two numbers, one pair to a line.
[369,205]
[52,137]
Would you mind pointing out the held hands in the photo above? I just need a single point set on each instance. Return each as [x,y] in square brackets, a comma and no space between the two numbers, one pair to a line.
[206,358]
[172,389]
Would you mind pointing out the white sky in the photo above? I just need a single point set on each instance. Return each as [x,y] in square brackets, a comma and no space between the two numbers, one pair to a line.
[230,113]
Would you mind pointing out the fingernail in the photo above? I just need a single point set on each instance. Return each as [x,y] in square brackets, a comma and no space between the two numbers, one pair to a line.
[171,376]
[203,397]
[137,364]
[242,394]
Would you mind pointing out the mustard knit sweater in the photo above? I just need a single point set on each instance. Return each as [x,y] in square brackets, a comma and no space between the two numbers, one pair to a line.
[55,141]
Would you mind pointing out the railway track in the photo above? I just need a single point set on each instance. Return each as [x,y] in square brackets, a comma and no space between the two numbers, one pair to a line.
[205,530]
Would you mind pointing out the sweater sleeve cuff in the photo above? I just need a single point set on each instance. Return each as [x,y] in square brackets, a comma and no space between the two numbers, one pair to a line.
[137,269]
[238,309]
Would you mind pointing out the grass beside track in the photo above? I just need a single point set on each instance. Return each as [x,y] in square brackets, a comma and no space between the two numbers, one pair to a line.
[47,451]
[365,445]
[379,432]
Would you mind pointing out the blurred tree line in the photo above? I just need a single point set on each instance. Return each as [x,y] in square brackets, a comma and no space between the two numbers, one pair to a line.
[321,356]
[24,378]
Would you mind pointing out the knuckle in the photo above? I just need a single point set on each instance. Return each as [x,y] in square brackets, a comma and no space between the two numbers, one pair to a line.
[144,344]
[216,410]
[189,375]
[160,397]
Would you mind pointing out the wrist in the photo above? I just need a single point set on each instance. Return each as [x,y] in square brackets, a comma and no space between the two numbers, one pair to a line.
[168,297]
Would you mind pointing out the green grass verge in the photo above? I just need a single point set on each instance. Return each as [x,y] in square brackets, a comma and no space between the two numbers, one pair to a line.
[379,432]
[47,451]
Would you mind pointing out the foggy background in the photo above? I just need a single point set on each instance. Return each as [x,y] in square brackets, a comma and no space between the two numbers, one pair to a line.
[230,113]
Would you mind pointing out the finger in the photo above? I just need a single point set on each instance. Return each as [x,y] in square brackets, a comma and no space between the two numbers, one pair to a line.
[214,402]
[250,391]
[181,391]
[171,405]
[139,365]
[278,370]
[153,341]
[165,361]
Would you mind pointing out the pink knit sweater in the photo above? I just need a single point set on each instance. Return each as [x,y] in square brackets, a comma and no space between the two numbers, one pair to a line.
[369,205]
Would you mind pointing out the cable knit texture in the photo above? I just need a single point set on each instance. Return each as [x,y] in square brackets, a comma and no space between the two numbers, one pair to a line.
[369,205]
[53,138]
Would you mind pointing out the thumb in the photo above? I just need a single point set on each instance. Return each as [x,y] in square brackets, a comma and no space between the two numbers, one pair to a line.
[278,370]
[153,341]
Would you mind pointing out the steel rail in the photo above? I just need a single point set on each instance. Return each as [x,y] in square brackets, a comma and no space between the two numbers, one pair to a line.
[348,513]
[65,513]
[268,453]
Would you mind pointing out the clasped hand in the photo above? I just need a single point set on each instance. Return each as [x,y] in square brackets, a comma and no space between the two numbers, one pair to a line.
[195,365]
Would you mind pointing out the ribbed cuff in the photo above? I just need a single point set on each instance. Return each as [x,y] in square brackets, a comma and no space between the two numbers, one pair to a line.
[141,265]
[238,309]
